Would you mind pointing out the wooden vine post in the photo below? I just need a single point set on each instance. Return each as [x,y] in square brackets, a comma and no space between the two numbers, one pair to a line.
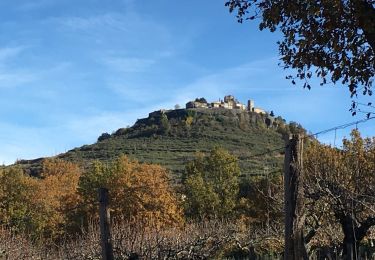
[105,233]
[294,205]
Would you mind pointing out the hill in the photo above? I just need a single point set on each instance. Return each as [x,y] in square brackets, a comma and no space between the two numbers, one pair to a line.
[171,138]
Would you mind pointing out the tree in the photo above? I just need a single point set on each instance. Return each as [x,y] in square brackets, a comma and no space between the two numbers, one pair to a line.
[261,199]
[103,137]
[201,100]
[57,193]
[44,206]
[341,185]
[16,190]
[137,192]
[211,185]
[334,39]
[164,124]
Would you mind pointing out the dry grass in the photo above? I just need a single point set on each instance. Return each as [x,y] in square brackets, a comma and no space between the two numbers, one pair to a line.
[16,246]
[205,240]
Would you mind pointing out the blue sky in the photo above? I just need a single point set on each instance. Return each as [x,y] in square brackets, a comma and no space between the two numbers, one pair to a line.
[71,70]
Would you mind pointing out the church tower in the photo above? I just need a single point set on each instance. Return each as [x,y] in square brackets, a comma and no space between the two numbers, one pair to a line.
[250,105]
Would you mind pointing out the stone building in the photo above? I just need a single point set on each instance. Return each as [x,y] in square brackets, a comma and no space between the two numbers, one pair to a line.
[229,102]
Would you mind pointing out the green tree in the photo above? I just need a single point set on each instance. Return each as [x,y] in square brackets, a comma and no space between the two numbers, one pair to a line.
[333,39]
[211,185]
[16,191]
[165,125]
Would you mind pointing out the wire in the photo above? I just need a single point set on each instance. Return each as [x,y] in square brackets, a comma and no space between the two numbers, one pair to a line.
[366,105]
[306,137]
[340,127]
[271,151]
[318,133]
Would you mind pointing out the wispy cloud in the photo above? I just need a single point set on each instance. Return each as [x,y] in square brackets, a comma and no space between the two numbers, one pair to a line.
[16,78]
[128,32]
[133,93]
[10,77]
[130,23]
[244,78]
[13,77]
[94,22]
[9,53]
[35,4]
[23,142]
[240,80]
[88,128]
[128,64]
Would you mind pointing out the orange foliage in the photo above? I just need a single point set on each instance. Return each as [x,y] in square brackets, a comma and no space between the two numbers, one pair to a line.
[138,192]
[57,194]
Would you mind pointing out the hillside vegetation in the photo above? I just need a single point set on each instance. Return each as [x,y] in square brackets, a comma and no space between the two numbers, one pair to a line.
[172,138]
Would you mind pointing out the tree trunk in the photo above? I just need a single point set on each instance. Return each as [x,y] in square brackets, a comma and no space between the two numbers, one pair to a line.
[350,242]
[294,200]
[353,235]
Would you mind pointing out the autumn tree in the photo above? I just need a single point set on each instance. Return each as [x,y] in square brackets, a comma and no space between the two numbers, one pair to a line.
[261,199]
[333,39]
[16,200]
[211,185]
[341,185]
[42,206]
[137,191]
[58,194]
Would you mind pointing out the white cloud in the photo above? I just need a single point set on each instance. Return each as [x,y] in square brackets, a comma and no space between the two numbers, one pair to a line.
[235,80]
[19,142]
[94,22]
[35,4]
[90,127]
[16,78]
[131,24]
[10,77]
[9,53]
[129,32]
[128,64]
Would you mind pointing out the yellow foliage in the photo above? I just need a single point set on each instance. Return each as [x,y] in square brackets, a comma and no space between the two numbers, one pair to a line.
[50,206]
[340,182]
[351,168]
[138,192]
[189,120]
[40,206]
[57,193]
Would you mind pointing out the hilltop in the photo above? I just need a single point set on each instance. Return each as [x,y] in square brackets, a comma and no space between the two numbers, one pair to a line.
[172,137]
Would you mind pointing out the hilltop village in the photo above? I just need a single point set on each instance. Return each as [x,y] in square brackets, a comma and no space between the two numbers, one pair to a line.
[229,102]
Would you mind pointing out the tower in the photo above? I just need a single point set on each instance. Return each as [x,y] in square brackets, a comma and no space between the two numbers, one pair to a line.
[250,105]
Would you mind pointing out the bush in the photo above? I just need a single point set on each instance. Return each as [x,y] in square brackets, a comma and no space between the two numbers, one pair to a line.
[103,137]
